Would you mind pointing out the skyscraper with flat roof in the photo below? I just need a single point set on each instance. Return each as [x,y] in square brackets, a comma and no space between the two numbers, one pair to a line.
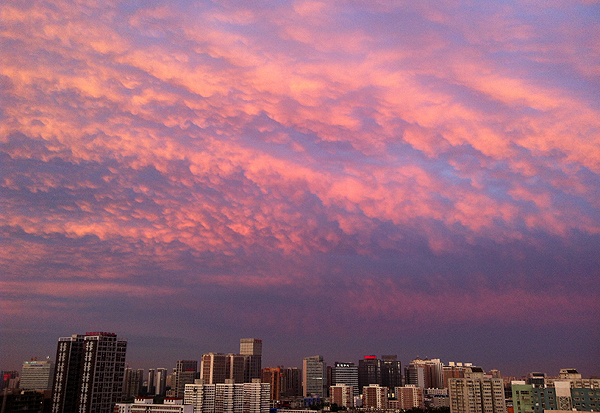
[251,349]
[89,373]
[314,376]
[345,373]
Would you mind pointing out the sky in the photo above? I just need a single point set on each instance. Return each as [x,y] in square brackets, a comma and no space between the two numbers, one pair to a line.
[344,178]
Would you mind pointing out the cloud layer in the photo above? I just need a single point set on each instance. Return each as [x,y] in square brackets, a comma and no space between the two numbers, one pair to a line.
[300,166]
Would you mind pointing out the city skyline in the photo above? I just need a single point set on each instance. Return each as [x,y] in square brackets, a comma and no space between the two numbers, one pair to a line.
[169,363]
[338,178]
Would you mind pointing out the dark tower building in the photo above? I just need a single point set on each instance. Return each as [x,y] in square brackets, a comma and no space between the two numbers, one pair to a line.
[391,372]
[369,372]
[89,373]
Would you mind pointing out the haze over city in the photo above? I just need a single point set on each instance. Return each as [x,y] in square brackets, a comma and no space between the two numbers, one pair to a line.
[344,178]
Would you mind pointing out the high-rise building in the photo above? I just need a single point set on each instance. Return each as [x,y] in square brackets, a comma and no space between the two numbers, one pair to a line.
[454,371]
[161,382]
[37,375]
[314,376]
[256,397]
[410,397]
[345,373]
[476,393]
[151,387]
[342,395]
[425,373]
[391,372]
[375,397]
[185,373]
[132,384]
[272,375]
[291,382]
[89,373]
[213,368]
[369,372]
[251,349]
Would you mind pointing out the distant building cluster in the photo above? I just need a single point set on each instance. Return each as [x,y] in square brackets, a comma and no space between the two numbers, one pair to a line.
[90,375]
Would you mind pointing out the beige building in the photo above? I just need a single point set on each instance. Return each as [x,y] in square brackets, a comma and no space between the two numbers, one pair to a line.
[476,393]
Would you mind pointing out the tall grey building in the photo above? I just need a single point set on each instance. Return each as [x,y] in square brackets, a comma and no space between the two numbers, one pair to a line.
[132,384]
[251,349]
[161,381]
[89,373]
[37,375]
[369,372]
[314,376]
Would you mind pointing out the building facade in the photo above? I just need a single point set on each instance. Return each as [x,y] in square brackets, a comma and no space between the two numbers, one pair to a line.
[476,393]
[375,397]
[342,395]
[345,373]
[251,349]
[89,373]
[37,375]
[314,376]
[410,397]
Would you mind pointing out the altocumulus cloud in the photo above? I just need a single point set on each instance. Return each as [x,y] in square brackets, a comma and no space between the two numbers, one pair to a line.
[385,164]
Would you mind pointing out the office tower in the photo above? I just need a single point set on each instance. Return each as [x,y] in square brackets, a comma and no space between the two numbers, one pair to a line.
[89,373]
[425,373]
[272,375]
[251,349]
[213,368]
[132,383]
[161,382]
[476,393]
[345,373]
[391,372]
[185,373]
[375,397]
[409,397]
[150,387]
[37,375]
[291,382]
[314,372]
[342,395]
[369,372]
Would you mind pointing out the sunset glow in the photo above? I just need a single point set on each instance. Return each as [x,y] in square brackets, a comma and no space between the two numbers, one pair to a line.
[334,177]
